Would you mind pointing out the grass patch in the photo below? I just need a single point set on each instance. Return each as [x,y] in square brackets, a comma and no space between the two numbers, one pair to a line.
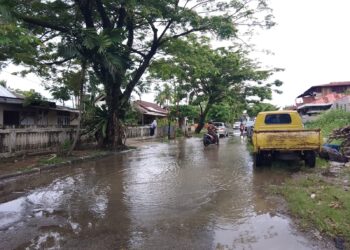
[320,204]
[322,163]
[52,160]
[165,139]
[250,146]
[329,121]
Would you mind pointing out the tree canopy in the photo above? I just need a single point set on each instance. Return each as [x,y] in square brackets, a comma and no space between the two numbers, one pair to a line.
[212,76]
[254,109]
[116,38]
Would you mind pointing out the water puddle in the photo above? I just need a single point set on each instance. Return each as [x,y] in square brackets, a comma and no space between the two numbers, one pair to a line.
[176,195]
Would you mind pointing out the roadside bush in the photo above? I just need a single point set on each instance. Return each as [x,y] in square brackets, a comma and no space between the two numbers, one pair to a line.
[63,148]
[329,121]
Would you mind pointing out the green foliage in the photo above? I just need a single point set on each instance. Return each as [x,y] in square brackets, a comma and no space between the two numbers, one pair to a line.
[66,85]
[330,120]
[131,116]
[64,147]
[255,108]
[182,111]
[61,93]
[141,88]
[117,38]
[17,45]
[164,122]
[3,83]
[165,95]
[212,76]
[179,132]
[220,112]
[52,160]
[328,211]
[33,98]
[95,120]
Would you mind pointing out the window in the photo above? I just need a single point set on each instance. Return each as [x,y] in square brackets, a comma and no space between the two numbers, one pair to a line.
[27,118]
[63,118]
[219,124]
[278,119]
[42,118]
[11,118]
[339,89]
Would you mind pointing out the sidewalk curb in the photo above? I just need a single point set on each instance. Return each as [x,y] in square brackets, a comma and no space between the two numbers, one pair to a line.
[46,167]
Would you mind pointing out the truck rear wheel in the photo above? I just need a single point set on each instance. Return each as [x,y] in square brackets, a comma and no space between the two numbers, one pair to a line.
[258,159]
[310,159]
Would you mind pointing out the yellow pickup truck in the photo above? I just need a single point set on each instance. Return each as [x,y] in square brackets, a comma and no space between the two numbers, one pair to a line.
[281,133]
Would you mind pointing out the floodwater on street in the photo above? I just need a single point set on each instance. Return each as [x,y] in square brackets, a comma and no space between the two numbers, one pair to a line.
[176,195]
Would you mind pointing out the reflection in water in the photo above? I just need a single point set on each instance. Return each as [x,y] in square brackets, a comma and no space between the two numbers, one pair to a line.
[176,195]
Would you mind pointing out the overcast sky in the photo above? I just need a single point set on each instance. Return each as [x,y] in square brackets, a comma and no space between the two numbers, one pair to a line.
[311,41]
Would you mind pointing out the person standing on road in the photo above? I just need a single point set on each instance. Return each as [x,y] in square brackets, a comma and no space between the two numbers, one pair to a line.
[153,127]
[241,129]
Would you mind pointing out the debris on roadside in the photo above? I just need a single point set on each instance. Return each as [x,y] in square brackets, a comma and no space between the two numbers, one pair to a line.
[332,152]
[339,153]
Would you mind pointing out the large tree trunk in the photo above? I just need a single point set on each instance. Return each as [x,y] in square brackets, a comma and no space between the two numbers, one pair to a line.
[202,117]
[112,104]
[116,111]
[117,101]
[200,123]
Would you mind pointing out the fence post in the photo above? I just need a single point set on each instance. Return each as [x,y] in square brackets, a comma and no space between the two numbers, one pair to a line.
[12,141]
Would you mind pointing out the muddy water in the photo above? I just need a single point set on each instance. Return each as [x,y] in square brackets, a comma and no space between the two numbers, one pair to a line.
[162,196]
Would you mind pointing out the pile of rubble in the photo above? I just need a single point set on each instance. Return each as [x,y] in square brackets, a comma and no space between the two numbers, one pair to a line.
[339,153]
[344,135]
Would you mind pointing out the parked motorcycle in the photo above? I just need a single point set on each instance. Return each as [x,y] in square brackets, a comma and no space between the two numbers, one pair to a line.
[210,139]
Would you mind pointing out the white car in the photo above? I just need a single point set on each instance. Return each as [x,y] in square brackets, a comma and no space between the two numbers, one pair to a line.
[222,129]
[236,125]
[236,131]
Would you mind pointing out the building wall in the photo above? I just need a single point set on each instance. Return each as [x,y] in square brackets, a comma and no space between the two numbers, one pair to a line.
[308,99]
[26,119]
[326,91]
[335,89]
[343,103]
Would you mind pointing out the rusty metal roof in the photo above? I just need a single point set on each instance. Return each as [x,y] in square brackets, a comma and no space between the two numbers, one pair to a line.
[150,107]
[332,84]
[6,93]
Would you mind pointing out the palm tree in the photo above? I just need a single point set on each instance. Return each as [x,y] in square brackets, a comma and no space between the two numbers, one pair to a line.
[142,88]
[164,96]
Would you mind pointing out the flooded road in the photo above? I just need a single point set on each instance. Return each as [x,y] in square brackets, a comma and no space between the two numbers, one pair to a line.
[176,195]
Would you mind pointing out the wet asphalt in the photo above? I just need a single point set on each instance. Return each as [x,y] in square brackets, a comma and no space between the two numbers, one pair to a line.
[176,195]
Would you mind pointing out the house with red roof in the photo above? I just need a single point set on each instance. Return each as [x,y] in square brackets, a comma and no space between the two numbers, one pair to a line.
[149,111]
[317,91]
[320,98]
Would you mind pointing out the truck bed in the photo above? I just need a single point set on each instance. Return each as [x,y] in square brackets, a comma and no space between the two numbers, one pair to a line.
[287,140]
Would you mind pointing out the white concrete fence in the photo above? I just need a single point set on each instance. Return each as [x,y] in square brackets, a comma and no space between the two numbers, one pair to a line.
[20,141]
[144,132]
[28,140]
